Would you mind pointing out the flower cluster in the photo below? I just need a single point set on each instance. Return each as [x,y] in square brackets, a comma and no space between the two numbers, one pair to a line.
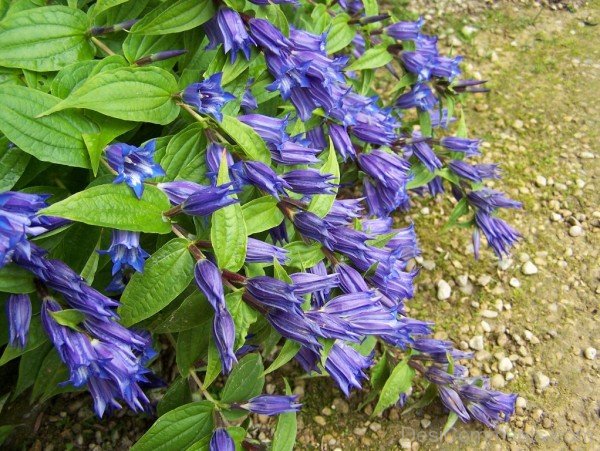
[258,181]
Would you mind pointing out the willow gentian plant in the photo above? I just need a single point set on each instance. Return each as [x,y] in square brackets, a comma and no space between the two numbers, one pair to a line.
[218,180]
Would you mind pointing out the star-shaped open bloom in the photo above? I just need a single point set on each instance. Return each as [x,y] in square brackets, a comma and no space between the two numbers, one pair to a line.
[208,96]
[134,164]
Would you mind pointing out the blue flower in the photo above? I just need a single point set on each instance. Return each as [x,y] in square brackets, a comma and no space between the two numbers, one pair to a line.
[303,40]
[420,96]
[445,67]
[227,28]
[208,280]
[261,252]
[264,178]
[272,404]
[272,292]
[270,129]
[420,149]
[180,190]
[18,313]
[134,164]
[125,251]
[343,212]
[214,154]
[475,173]
[346,366]
[295,151]
[309,181]
[296,325]
[488,200]
[221,441]
[208,96]
[312,226]
[305,283]
[405,31]
[208,199]
[418,63]
[500,236]
[269,37]
[249,102]
[470,147]
[351,281]
[341,141]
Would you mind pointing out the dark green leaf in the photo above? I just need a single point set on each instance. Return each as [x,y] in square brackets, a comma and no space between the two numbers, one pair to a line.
[194,311]
[14,279]
[243,316]
[179,428]
[51,374]
[399,382]
[459,210]
[29,367]
[45,39]
[284,437]
[177,395]
[245,381]
[192,345]
[380,373]
[213,365]
[13,162]
[55,138]
[185,156]
[287,353]
[141,94]
[166,274]
[117,207]
[137,46]
[36,338]
[77,256]
[420,176]
[173,16]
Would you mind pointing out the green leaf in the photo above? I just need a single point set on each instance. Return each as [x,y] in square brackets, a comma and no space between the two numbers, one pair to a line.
[461,130]
[179,428]
[192,345]
[250,143]
[245,381]
[45,39]
[166,274]
[71,76]
[420,176]
[185,155]
[115,206]
[36,338]
[140,94]
[261,214]
[13,162]
[371,59]
[51,374]
[284,437]
[213,365]
[173,16]
[96,142]
[29,367]
[77,256]
[302,255]
[380,372]
[228,230]
[340,34]
[68,317]
[322,203]
[371,7]
[425,123]
[5,431]
[193,312]
[280,273]
[177,395]
[137,46]
[56,138]
[14,279]
[289,349]
[103,5]
[459,210]
[399,382]
[243,316]
[450,422]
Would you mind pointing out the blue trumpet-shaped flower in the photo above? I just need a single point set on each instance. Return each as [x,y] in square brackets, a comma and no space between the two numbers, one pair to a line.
[272,404]
[208,96]
[221,441]
[18,313]
[227,28]
[134,164]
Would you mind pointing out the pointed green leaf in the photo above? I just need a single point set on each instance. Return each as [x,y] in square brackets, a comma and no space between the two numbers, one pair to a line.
[245,381]
[371,59]
[399,382]
[250,143]
[261,214]
[322,203]
[173,16]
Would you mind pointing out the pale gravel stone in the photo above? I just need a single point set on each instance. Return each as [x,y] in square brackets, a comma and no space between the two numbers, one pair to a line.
[576,231]
[444,291]
[505,365]
[529,268]
[590,353]
[476,342]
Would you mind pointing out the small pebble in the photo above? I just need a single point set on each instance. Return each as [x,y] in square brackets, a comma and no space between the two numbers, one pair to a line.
[514,282]
[576,231]
[541,381]
[444,290]
[590,353]
[320,420]
[529,268]
[505,365]
[476,343]
[497,381]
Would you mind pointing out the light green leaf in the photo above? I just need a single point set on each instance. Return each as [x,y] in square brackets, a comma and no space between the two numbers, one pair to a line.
[166,274]
[141,94]
[302,255]
[322,203]
[71,76]
[117,207]
[243,316]
[450,422]
[284,437]
[45,39]
[179,428]
[287,353]
[137,46]
[213,365]
[459,210]
[56,139]
[245,381]
[420,176]
[399,382]
[250,143]
[103,5]
[371,59]
[340,34]
[261,214]
[96,142]
[173,16]
[69,317]
[228,230]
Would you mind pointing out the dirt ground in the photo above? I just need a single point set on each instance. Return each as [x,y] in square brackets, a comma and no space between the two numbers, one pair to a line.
[532,320]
